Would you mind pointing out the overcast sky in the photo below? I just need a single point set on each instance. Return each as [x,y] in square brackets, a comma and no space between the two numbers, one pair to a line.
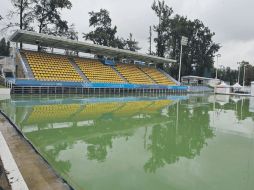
[231,20]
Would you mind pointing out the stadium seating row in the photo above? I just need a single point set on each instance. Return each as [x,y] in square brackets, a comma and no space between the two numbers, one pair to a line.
[95,71]
[133,74]
[52,67]
[157,76]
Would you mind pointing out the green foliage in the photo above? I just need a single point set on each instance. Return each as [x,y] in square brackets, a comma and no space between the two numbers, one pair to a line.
[4,47]
[163,13]
[24,9]
[197,55]
[249,75]
[105,34]
[229,75]
[249,72]
[131,44]
[43,13]
[47,14]
[72,33]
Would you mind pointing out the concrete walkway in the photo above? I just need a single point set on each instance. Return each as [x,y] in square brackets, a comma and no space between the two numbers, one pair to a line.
[35,171]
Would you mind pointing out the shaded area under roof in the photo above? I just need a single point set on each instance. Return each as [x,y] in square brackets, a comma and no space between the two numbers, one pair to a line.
[34,38]
[197,78]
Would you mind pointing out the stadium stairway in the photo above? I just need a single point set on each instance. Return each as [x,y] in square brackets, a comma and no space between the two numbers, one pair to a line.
[119,74]
[72,62]
[147,75]
[169,77]
[24,62]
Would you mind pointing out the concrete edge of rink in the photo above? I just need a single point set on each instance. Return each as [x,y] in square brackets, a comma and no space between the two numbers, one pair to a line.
[13,174]
[59,182]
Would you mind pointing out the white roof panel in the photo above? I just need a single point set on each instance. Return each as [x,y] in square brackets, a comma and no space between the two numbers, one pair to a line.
[34,38]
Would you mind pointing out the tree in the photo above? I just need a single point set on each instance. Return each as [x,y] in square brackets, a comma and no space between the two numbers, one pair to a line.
[131,44]
[1,18]
[164,13]
[249,72]
[119,43]
[104,33]
[229,75]
[22,8]
[4,47]
[198,55]
[73,35]
[249,75]
[47,14]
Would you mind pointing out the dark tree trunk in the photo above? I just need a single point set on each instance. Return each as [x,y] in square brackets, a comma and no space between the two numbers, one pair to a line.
[21,19]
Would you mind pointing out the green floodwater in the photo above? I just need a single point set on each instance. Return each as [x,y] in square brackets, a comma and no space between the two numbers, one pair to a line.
[176,142]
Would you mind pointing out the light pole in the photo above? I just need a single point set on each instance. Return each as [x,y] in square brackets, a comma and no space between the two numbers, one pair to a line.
[184,42]
[244,75]
[223,69]
[239,63]
[218,55]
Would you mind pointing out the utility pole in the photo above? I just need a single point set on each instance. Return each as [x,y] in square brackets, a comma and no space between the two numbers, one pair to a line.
[184,42]
[239,68]
[150,40]
[218,55]
[244,75]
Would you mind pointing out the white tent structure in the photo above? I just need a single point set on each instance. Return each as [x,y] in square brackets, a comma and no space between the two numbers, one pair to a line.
[223,88]
[237,87]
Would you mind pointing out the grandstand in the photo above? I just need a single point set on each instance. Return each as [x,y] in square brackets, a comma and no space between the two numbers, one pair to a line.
[37,70]
[51,67]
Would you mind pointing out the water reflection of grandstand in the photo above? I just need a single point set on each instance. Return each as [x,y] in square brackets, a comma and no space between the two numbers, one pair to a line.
[60,113]
[165,136]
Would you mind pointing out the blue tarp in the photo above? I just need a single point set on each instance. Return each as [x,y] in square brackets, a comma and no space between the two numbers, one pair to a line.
[108,62]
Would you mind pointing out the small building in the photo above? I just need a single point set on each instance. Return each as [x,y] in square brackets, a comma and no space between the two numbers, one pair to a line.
[199,81]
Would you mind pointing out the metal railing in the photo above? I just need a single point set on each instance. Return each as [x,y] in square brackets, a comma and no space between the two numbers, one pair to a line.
[93,91]
[5,82]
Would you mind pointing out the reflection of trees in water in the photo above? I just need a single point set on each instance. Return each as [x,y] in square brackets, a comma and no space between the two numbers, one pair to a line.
[169,143]
[99,145]
[166,142]
[240,107]
[97,148]
[64,166]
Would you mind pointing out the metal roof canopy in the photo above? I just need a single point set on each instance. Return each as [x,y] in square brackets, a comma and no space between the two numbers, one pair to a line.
[197,77]
[34,38]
